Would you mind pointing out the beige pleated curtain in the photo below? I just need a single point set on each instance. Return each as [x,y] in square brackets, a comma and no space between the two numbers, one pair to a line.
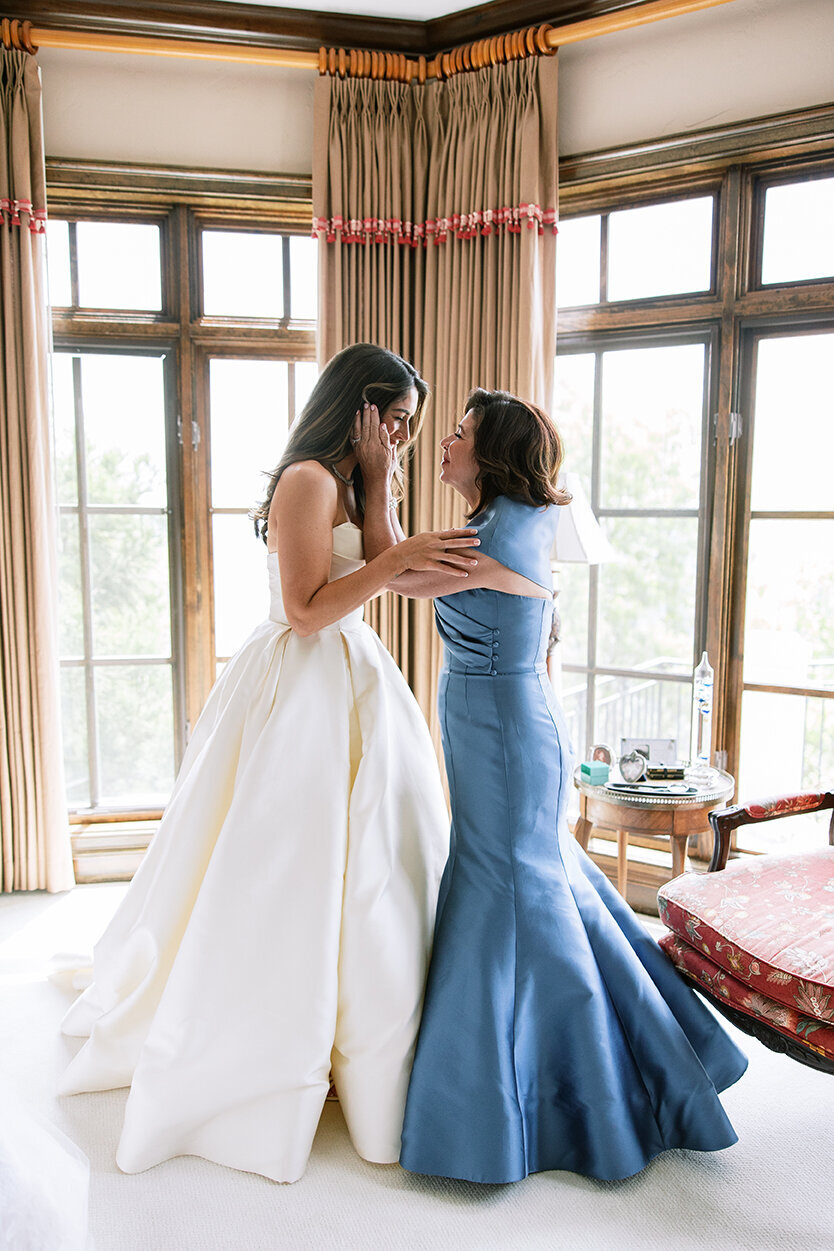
[435,207]
[33,813]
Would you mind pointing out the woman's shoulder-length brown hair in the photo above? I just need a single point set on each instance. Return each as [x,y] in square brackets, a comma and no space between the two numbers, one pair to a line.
[518,449]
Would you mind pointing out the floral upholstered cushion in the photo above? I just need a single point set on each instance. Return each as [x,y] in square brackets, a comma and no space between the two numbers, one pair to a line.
[806,1021]
[768,921]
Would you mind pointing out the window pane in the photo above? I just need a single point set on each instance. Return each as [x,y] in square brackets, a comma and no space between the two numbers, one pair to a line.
[793,395]
[70,602]
[118,265]
[573,412]
[243,274]
[789,622]
[124,420]
[574,698]
[647,595]
[787,746]
[642,708]
[304,278]
[135,715]
[241,589]
[74,734]
[249,421]
[652,418]
[130,586]
[578,261]
[572,606]
[660,249]
[798,239]
[306,376]
[63,428]
[58,264]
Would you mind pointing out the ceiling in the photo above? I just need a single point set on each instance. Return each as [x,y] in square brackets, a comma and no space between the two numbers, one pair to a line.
[405,10]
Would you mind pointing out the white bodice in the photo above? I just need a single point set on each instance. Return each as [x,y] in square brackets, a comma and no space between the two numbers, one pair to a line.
[347,557]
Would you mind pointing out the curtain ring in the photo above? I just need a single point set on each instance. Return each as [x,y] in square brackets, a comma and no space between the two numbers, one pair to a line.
[25,38]
[421,70]
[530,40]
[322,59]
[331,62]
[342,62]
[541,40]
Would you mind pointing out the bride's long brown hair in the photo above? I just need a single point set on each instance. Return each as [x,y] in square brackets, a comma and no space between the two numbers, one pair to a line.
[363,372]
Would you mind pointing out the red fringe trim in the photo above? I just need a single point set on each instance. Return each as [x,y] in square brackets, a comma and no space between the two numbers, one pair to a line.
[461,225]
[10,211]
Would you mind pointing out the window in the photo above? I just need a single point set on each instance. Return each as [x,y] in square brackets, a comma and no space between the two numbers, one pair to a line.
[635,413]
[118,598]
[633,253]
[692,388]
[797,241]
[184,345]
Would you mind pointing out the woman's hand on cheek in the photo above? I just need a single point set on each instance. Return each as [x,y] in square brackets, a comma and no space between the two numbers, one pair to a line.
[373,451]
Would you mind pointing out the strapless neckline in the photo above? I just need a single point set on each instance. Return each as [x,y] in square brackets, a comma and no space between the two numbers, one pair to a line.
[343,525]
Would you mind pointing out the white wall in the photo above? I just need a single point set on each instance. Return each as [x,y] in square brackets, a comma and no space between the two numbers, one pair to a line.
[740,60]
[743,59]
[213,114]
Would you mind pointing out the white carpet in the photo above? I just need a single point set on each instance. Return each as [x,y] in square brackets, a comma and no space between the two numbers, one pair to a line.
[771,1192]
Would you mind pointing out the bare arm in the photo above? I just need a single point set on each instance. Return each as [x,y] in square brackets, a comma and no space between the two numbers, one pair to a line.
[430,584]
[304,507]
[489,573]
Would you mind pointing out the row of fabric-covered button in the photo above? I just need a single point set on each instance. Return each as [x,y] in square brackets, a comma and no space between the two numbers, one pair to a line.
[495,634]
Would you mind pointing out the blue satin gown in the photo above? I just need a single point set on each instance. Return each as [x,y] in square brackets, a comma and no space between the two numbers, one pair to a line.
[555,1033]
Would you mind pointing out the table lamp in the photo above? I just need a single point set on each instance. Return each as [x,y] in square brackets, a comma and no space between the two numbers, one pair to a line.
[579,540]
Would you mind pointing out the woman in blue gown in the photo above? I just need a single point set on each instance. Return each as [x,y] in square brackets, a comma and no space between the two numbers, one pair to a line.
[555,1034]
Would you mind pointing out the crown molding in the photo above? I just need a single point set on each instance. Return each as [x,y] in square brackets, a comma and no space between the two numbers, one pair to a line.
[797,135]
[261,26]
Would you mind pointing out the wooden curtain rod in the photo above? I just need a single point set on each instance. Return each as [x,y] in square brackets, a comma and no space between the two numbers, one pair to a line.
[403,69]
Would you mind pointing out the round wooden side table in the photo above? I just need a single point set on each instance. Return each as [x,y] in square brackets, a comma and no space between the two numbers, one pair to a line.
[673,816]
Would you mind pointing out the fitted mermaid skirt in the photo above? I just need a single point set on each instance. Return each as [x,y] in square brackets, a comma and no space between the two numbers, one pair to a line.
[556,1034]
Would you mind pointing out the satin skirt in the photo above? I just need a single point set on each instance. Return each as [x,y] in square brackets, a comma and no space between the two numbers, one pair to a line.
[556,1034]
[280,924]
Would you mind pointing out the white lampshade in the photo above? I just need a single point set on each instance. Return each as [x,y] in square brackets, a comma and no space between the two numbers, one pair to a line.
[579,537]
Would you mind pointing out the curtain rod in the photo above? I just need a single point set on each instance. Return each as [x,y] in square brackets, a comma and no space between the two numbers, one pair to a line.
[403,68]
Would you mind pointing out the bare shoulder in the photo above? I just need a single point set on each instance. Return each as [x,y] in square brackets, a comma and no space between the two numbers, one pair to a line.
[304,483]
[306,474]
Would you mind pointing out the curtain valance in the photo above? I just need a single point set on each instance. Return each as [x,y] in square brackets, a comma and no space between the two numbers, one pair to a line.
[420,163]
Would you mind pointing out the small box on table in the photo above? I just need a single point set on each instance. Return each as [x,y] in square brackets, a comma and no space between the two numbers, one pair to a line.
[594,771]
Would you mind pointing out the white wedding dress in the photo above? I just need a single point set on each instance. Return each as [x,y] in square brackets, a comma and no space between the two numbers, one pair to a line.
[280,924]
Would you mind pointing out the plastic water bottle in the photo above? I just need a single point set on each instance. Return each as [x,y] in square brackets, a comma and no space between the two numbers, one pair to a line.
[700,749]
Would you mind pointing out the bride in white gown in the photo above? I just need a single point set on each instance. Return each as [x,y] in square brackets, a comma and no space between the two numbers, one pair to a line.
[279,927]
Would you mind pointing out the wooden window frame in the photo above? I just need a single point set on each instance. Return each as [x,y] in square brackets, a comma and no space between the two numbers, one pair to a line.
[108,844]
[738,163]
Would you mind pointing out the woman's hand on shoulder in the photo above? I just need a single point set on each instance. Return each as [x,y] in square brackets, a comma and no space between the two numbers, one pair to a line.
[445,551]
